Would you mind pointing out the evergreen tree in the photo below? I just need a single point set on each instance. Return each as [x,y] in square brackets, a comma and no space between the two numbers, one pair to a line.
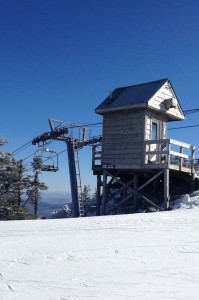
[64,211]
[86,193]
[15,186]
[33,193]
[3,167]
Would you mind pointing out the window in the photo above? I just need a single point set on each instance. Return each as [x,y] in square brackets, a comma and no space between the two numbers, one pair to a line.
[154,131]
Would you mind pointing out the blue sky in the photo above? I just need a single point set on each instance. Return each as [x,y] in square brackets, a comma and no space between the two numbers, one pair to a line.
[59,59]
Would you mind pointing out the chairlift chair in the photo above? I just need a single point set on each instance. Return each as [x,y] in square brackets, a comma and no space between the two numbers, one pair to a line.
[49,168]
[54,158]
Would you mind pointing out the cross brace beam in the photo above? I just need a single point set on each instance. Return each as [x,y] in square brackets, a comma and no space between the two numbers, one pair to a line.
[133,192]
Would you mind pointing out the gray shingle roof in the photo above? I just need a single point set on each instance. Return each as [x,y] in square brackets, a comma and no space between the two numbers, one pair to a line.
[131,95]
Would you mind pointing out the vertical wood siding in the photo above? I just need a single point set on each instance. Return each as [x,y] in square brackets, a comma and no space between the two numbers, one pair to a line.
[123,136]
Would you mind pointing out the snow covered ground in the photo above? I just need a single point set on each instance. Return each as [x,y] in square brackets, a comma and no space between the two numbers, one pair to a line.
[140,256]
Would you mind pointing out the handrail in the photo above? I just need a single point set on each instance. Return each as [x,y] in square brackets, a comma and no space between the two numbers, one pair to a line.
[160,154]
[170,141]
[159,151]
[96,155]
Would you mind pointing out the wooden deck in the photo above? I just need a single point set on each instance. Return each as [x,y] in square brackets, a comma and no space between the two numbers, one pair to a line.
[158,154]
[169,160]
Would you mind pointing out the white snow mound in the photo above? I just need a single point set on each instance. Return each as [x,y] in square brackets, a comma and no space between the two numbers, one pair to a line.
[187,201]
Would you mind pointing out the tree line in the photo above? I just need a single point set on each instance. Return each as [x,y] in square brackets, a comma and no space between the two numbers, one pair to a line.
[19,191]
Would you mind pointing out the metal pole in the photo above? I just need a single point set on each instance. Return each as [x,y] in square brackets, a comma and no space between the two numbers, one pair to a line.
[73,178]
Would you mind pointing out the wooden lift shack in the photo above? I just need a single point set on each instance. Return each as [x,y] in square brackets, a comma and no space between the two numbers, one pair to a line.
[135,150]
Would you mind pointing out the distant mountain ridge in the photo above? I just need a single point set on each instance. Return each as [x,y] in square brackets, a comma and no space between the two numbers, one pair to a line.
[52,201]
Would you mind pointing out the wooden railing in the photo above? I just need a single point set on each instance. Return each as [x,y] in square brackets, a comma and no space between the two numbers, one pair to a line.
[165,153]
[161,152]
[96,155]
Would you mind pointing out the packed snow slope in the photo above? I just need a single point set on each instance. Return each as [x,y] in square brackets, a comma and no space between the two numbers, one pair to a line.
[140,256]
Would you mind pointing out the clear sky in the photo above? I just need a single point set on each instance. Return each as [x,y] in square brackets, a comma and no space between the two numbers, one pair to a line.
[60,58]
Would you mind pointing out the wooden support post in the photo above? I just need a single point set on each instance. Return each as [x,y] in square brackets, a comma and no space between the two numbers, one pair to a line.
[98,195]
[192,159]
[169,155]
[135,186]
[192,168]
[192,182]
[104,193]
[166,189]
[180,159]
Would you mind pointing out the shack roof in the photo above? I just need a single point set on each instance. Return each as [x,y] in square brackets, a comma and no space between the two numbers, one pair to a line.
[134,95]
[156,95]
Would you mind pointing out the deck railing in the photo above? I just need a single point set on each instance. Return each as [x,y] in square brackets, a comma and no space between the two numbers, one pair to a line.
[96,155]
[161,152]
[165,153]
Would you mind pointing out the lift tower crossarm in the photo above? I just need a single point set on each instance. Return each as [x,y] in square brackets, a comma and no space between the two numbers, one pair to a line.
[92,141]
[51,135]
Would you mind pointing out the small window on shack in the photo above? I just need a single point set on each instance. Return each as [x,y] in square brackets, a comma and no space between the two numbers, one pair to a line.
[154,131]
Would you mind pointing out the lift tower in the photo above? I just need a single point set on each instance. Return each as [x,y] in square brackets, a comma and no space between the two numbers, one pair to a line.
[74,135]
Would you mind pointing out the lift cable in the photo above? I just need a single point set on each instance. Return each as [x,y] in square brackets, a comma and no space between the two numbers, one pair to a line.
[33,154]
[187,112]
[191,111]
[182,127]
[29,156]
[19,151]
[50,142]
[78,125]
[21,147]
[30,142]
[31,169]
[87,125]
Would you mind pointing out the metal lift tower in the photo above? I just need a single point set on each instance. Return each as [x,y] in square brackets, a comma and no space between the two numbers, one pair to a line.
[74,135]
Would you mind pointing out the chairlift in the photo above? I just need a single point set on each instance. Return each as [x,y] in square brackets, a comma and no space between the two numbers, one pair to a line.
[49,168]
[53,156]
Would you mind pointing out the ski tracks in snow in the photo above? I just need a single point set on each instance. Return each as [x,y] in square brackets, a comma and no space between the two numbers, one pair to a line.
[142,256]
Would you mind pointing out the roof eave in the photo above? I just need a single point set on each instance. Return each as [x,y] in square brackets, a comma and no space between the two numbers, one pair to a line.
[177,99]
[170,117]
[174,118]
[130,107]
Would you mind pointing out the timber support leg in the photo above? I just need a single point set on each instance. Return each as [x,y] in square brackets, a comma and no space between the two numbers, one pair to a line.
[192,182]
[104,193]
[98,195]
[135,186]
[166,189]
